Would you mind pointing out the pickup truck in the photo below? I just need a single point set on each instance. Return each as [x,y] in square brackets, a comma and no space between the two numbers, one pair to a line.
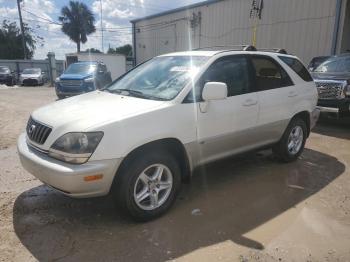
[332,79]
[82,77]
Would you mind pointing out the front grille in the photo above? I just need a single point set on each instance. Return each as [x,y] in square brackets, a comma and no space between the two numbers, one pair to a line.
[71,82]
[37,132]
[329,89]
[30,81]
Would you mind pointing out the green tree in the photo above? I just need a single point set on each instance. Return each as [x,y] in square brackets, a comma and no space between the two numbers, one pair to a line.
[11,41]
[92,50]
[77,22]
[124,50]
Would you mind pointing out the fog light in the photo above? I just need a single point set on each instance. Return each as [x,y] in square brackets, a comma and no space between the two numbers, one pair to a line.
[93,177]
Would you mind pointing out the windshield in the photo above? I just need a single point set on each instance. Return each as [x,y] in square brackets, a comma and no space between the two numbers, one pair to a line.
[81,68]
[4,70]
[160,78]
[334,65]
[31,71]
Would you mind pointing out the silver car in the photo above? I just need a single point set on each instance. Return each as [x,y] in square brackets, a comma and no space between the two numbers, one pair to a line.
[32,76]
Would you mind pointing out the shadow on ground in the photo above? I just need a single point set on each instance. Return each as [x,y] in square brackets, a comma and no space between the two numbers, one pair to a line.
[334,127]
[233,196]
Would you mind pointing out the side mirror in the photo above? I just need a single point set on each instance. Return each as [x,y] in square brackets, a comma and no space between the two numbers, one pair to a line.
[214,91]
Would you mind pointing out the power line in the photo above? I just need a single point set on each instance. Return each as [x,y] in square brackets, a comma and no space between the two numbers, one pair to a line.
[43,18]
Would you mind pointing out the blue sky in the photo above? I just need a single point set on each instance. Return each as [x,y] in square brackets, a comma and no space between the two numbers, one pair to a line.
[116,17]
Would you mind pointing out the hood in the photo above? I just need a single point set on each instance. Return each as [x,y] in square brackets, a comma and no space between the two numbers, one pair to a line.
[75,76]
[331,76]
[92,109]
[30,75]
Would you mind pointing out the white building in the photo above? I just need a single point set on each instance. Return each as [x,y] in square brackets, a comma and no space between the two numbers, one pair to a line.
[306,28]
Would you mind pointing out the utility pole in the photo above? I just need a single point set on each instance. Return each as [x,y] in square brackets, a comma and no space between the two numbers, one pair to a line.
[101,28]
[256,13]
[22,29]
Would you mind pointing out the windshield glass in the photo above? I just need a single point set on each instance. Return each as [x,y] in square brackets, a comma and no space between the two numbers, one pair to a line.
[334,65]
[4,70]
[81,68]
[31,71]
[160,78]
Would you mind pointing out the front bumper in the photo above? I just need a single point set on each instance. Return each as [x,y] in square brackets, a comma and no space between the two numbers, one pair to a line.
[339,107]
[73,90]
[68,178]
[30,81]
[6,81]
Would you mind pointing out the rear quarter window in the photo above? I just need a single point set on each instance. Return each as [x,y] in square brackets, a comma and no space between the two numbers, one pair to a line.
[297,67]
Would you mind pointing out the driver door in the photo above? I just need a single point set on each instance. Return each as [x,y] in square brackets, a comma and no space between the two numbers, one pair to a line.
[225,126]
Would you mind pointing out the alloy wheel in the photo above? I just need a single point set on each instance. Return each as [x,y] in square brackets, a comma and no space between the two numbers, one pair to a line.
[153,187]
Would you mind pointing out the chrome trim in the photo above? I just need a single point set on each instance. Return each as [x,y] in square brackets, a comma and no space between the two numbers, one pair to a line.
[324,109]
[36,148]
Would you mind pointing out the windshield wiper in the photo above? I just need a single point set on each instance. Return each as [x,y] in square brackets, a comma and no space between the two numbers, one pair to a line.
[134,93]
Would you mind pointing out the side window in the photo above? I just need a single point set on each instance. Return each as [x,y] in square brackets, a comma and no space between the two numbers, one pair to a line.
[297,67]
[345,66]
[268,74]
[331,66]
[231,70]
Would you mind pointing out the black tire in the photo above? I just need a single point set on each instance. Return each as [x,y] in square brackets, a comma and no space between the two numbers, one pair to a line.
[10,83]
[123,186]
[281,148]
[60,97]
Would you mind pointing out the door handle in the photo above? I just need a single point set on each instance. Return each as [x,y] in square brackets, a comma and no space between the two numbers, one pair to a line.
[292,94]
[250,102]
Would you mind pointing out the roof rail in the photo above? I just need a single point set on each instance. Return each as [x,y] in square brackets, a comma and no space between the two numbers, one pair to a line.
[228,47]
[241,48]
[274,50]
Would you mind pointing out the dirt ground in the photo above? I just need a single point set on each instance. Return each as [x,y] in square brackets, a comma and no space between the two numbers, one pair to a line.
[248,208]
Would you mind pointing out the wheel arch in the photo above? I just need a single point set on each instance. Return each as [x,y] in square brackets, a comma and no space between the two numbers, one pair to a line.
[306,117]
[170,145]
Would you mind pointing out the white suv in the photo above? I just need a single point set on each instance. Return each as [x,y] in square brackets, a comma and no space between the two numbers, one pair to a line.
[141,136]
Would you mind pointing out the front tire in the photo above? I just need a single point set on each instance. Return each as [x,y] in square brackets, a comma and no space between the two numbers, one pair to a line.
[148,185]
[60,97]
[292,143]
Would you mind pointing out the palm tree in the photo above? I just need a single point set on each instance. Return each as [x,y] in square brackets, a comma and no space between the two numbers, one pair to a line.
[77,22]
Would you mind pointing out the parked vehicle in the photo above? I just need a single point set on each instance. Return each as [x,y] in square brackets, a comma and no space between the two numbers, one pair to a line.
[316,61]
[82,77]
[140,137]
[7,76]
[32,76]
[332,79]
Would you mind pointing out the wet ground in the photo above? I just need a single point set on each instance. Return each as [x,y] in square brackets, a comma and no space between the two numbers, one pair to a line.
[247,208]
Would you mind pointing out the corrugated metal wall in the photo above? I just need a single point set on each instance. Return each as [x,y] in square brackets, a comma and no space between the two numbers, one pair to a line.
[303,27]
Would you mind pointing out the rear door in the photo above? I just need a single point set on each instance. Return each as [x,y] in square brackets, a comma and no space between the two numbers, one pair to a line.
[277,95]
[225,126]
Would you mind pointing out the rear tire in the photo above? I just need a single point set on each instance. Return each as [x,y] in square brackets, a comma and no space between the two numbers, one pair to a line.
[148,185]
[292,143]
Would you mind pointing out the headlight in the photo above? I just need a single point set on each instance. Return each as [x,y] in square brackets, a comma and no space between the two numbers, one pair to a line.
[57,80]
[75,148]
[89,80]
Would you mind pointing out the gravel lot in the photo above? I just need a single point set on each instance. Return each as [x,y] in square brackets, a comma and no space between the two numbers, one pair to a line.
[248,208]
